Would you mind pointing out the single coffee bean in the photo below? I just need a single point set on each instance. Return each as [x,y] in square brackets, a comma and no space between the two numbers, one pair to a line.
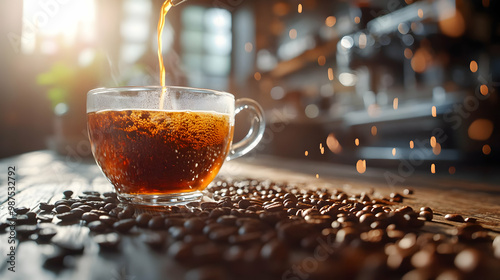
[99,212]
[426,215]
[124,225]
[222,234]
[367,219]
[108,220]
[154,239]
[274,250]
[173,221]
[396,197]
[228,220]
[470,220]
[90,217]
[181,251]
[21,210]
[109,206]
[193,204]
[86,208]
[115,211]
[364,197]
[25,230]
[62,202]
[124,214]
[425,208]
[208,205]
[97,226]
[454,217]
[108,241]
[55,260]
[46,207]
[31,217]
[196,238]
[110,200]
[76,205]
[273,207]
[62,209]
[68,193]
[293,232]
[177,232]
[405,209]
[67,217]
[156,222]
[78,212]
[45,218]
[194,225]
[244,204]
[110,194]
[143,219]
[206,253]
[469,232]
[45,234]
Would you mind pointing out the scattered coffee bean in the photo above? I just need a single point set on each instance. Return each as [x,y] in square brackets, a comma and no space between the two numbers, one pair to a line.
[208,205]
[426,215]
[45,234]
[26,230]
[68,193]
[143,219]
[67,217]
[454,217]
[222,233]
[108,220]
[46,207]
[109,206]
[62,202]
[90,217]
[255,224]
[470,220]
[396,197]
[109,194]
[156,222]
[108,241]
[154,239]
[21,210]
[274,250]
[180,251]
[45,218]
[97,226]
[85,208]
[62,209]
[194,225]
[124,225]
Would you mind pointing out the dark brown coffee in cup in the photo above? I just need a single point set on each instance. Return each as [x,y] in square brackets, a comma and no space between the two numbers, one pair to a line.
[152,152]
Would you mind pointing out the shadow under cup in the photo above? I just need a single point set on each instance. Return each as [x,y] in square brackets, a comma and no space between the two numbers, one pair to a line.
[162,146]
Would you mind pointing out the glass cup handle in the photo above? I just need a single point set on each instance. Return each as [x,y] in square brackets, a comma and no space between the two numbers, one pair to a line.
[256,131]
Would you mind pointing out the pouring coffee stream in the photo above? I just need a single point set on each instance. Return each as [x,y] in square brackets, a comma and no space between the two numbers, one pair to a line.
[161,22]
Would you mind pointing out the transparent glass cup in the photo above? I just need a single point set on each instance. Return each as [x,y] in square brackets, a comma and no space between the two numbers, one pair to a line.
[163,150]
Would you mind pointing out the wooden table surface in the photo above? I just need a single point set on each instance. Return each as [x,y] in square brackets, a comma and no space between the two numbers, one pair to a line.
[42,176]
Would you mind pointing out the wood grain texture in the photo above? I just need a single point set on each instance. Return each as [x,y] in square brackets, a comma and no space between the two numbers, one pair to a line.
[43,176]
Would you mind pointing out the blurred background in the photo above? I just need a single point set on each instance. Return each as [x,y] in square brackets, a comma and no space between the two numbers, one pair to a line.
[366,83]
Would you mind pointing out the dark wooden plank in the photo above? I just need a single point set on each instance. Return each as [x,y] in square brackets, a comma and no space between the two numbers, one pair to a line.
[42,176]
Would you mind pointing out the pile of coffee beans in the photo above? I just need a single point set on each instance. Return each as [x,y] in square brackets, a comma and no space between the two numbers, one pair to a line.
[271,230]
